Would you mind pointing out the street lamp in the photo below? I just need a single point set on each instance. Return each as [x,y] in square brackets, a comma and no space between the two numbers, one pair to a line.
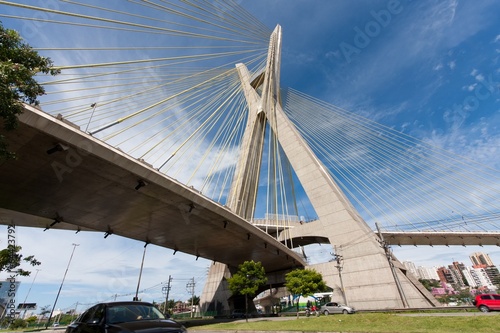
[136,298]
[62,282]
[25,309]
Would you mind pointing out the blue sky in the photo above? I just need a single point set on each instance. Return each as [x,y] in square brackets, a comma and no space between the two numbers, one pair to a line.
[429,69]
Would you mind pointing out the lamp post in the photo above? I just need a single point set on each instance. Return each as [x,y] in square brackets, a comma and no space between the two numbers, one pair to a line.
[136,298]
[62,282]
[26,310]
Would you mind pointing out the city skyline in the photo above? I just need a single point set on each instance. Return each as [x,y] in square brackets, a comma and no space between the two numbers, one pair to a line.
[481,275]
[446,265]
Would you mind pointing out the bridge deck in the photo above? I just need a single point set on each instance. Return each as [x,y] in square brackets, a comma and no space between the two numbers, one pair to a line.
[88,185]
[308,235]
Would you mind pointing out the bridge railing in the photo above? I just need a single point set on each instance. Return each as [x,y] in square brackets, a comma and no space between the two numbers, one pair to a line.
[279,220]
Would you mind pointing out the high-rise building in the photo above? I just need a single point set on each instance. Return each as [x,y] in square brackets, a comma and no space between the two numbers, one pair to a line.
[493,274]
[446,275]
[482,279]
[471,277]
[428,273]
[481,260]
[421,272]
[410,266]
[456,269]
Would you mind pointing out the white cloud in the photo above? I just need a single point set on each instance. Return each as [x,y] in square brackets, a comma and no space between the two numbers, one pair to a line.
[413,38]
[438,67]
[101,268]
[471,87]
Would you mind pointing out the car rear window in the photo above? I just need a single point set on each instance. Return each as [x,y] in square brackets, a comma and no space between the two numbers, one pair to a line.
[497,297]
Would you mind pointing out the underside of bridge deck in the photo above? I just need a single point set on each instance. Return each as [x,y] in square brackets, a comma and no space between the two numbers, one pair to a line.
[64,178]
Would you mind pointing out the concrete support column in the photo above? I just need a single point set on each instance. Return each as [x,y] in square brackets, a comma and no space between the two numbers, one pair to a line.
[215,295]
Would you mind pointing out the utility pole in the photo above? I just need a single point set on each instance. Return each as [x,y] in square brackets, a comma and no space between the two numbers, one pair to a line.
[388,254]
[190,288]
[75,313]
[339,259]
[166,291]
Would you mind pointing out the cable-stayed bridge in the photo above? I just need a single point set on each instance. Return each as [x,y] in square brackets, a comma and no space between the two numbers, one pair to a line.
[141,96]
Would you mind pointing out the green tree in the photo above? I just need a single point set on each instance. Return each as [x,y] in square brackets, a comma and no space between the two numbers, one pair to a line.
[464,296]
[304,282]
[18,323]
[430,283]
[196,300]
[11,259]
[45,310]
[247,280]
[170,306]
[19,64]
[31,320]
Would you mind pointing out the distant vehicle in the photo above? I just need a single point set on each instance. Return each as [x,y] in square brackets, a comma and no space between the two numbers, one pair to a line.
[55,324]
[133,316]
[312,311]
[238,314]
[333,307]
[487,302]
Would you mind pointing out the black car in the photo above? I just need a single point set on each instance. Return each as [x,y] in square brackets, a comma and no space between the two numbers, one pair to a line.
[114,317]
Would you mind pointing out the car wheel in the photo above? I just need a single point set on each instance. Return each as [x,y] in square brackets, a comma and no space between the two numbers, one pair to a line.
[484,308]
[326,313]
[344,312]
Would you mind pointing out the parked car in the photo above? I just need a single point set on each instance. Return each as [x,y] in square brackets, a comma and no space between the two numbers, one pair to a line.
[487,302]
[133,316]
[238,314]
[333,307]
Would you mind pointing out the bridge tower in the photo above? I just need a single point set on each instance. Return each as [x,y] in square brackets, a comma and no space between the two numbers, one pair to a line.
[370,277]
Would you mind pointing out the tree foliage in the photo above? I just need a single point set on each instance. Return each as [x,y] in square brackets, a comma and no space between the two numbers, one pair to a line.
[247,280]
[45,310]
[196,300]
[18,323]
[429,284]
[304,282]
[19,64]
[11,259]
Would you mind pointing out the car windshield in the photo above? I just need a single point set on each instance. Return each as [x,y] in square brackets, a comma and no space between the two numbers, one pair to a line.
[121,313]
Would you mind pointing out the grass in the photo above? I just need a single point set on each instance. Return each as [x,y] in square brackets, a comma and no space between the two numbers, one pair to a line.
[368,322]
